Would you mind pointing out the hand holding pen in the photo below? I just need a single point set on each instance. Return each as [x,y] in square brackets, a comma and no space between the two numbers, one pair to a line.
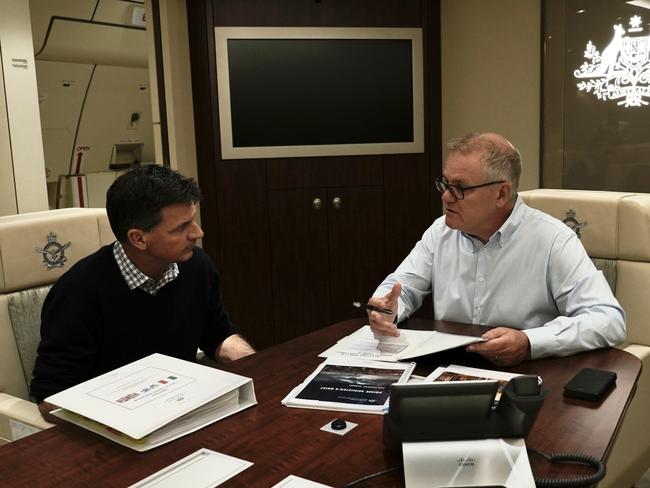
[382,312]
[373,308]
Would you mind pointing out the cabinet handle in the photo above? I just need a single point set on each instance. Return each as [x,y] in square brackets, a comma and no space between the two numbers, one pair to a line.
[317,203]
[336,203]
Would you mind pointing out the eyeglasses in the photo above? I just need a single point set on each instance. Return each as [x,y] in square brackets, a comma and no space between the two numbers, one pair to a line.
[457,191]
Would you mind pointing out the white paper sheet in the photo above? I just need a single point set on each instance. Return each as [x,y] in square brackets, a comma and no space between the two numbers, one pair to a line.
[364,344]
[292,481]
[201,469]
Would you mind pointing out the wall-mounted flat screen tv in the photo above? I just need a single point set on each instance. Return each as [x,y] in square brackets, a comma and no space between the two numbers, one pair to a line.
[327,91]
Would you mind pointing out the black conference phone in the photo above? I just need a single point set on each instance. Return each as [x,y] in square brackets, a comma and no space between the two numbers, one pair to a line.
[442,411]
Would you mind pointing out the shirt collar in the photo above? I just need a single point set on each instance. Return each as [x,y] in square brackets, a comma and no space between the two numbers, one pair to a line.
[137,279]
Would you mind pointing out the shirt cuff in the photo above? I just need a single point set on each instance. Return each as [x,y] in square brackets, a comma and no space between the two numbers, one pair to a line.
[543,340]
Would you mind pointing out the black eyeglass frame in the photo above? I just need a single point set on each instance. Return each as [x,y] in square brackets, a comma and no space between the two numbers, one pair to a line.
[457,191]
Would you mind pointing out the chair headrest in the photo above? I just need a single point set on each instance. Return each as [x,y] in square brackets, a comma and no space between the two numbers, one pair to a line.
[608,223]
[36,248]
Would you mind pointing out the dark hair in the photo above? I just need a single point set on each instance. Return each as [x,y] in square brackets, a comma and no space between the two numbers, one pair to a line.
[136,198]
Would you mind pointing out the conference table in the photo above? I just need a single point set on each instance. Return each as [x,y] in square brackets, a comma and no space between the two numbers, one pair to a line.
[281,441]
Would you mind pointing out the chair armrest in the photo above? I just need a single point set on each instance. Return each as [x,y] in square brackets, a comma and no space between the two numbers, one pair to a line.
[22,411]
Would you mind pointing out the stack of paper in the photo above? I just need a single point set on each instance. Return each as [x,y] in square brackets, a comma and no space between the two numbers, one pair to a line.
[154,400]
[410,344]
[351,385]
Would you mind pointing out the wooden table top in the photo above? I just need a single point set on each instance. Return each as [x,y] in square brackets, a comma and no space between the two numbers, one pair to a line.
[282,441]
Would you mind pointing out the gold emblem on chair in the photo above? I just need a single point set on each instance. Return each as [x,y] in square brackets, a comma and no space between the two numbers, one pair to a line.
[53,252]
[573,223]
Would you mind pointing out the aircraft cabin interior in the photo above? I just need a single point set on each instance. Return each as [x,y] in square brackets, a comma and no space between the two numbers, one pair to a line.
[315,130]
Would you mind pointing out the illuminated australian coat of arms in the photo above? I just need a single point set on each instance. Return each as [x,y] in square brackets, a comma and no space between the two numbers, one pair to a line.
[622,71]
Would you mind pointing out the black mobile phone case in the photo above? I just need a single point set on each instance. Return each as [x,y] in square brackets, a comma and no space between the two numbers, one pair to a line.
[590,384]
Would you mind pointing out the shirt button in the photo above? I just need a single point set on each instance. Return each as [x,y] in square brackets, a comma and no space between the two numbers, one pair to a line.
[480,278]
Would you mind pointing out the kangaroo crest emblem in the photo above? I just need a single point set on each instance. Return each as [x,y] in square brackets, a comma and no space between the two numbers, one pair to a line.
[621,72]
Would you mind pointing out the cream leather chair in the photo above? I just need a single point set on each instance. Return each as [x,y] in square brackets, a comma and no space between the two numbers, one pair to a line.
[35,249]
[615,230]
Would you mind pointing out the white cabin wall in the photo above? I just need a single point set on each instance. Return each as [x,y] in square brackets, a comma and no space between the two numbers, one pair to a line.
[115,93]
[153,92]
[21,148]
[61,90]
[94,91]
[178,86]
[491,74]
[7,185]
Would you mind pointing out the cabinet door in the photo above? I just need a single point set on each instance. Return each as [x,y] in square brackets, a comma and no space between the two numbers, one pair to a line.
[356,247]
[299,261]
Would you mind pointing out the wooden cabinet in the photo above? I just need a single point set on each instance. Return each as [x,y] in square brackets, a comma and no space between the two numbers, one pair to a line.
[327,250]
[288,267]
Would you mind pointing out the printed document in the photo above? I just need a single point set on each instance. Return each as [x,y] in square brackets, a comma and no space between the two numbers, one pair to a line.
[154,400]
[364,343]
[454,372]
[351,385]
[203,468]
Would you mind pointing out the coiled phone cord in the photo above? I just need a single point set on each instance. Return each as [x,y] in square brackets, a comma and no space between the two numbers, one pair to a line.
[571,458]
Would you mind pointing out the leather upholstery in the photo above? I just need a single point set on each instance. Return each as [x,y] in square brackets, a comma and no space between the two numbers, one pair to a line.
[25,316]
[617,228]
[25,278]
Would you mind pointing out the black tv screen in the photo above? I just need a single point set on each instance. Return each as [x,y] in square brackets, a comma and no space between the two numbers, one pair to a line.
[297,91]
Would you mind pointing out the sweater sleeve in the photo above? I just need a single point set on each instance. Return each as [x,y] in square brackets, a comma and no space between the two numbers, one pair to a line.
[218,326]
[68,349]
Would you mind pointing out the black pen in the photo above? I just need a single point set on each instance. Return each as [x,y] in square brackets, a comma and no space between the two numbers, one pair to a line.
[372,308]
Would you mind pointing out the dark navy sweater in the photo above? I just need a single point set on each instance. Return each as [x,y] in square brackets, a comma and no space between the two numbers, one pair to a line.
[92,323]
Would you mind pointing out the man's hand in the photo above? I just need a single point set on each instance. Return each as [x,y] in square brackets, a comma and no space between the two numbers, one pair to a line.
[234,347]
[382,323]
[503,346]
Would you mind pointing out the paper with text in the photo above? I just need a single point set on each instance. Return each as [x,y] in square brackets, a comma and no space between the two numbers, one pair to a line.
[154,400]
[364,343]
[349,384]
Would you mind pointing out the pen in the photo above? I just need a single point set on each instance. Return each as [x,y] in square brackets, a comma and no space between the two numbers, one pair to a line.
[372,308]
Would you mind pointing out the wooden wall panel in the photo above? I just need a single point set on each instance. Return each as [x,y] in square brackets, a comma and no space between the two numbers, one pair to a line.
[251,210]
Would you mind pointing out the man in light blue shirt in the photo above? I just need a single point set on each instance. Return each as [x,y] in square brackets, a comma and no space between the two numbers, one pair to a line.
[493,260]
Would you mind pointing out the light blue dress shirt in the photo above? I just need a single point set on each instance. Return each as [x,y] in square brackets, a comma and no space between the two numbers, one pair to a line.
[533,274]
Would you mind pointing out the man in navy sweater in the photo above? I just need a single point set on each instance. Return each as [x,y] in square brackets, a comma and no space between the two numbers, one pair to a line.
[150,291]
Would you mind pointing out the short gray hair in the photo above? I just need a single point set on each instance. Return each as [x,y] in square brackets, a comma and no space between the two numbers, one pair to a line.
[501,160]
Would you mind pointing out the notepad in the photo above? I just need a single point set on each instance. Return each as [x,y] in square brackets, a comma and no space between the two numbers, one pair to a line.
[203,468]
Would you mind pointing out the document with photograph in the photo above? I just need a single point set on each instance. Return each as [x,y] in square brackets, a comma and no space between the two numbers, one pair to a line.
[350,385]
[154,400]
[364,343]
[454,372]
